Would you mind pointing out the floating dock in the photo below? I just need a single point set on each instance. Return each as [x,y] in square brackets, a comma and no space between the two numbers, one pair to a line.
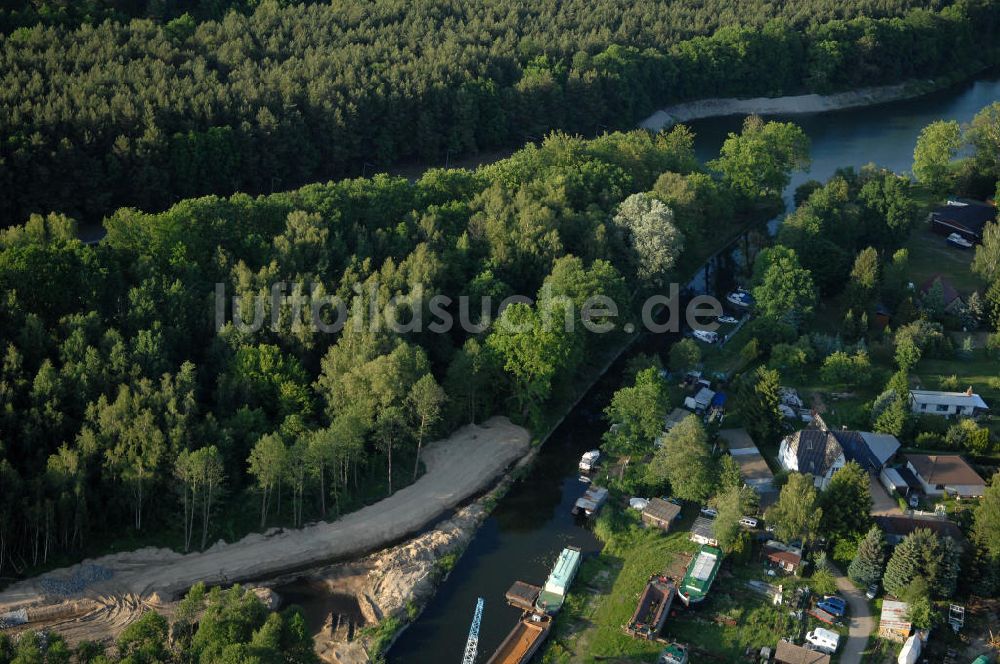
[524,640]
[653,608]
[700,575]
[522,595]
[553,594]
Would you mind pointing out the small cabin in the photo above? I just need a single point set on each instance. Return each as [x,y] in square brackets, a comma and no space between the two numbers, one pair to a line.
[660,513]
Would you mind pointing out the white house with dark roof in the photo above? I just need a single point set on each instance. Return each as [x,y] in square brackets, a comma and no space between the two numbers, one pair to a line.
[932,402]
[939,473]
[813,451]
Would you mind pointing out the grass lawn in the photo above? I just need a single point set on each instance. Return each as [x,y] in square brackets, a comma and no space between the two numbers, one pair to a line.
[930,254]
[980,371]
[732,619]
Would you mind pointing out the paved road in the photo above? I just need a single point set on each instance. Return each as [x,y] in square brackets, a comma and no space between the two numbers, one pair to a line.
[861,621]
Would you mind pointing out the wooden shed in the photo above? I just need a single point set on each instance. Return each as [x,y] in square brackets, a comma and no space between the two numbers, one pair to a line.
[660,513]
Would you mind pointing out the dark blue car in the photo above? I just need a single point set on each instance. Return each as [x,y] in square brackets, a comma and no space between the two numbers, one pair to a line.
[833,605]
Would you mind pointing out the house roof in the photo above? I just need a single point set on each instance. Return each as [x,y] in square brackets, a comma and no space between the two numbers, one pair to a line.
[894,615]
[896,525]
[789,653]
[967,215]
[753,469]
[935,398]
[949,292]
[944,469]
[790,557]
[663,510]
[704,526]
[815,450]
[870,450]
[704,397]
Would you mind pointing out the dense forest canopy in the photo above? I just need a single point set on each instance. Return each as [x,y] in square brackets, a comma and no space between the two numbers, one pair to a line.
[143,113]
[115,386]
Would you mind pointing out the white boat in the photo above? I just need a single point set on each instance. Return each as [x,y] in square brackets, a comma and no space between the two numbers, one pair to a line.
[728,320]
[589,460]
[740,297]
[706,336]
[957,240]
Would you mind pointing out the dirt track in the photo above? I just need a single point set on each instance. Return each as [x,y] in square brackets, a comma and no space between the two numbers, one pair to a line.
[458,467]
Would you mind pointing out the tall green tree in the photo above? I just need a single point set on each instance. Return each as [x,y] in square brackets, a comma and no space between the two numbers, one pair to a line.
[847,502]
[648,229]
[869,563]
[685,461]
[758,161]
[636,414]
[426,399]
[267,466]
[937,145]
[785,290]
[797,514]
[918,555]
[759,398]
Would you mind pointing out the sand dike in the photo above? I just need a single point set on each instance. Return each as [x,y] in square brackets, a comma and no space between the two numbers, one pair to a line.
[98,598]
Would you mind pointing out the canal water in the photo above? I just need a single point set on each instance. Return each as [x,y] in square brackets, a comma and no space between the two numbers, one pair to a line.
[532,523]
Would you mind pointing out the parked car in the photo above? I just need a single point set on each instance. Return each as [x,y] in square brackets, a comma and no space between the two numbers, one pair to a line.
[872,591]
[748,522]
[835,608]
[827,640]
[709,511]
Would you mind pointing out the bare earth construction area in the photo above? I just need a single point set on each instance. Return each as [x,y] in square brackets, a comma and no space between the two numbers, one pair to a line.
[458,467]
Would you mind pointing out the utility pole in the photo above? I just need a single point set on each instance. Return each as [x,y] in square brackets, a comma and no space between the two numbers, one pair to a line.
[472,645]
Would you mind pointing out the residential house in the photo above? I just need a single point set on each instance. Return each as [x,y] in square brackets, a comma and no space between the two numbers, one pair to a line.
[933,402]
[703,531]
[789,653]
[868,449]
[813,451]
[753,469]
[788,558]
[897,526]
[660,513]
[951,299]
[940,473]
[893,623]
[966,217]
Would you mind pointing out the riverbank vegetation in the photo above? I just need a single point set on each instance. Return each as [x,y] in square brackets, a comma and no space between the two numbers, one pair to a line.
[120,399]
[209,626]
[144,113]
[842,317]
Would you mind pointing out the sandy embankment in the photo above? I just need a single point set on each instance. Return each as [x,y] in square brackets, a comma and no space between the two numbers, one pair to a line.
[458,467]
[812,103]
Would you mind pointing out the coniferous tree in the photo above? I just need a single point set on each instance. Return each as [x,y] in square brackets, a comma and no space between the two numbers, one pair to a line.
[869,563]
[919,554]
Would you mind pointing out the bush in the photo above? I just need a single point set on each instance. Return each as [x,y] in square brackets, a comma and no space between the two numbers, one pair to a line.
[949,383]
[929,440]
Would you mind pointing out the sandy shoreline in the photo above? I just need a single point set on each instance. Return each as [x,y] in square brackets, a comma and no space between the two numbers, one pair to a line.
[457,468]
[791,105]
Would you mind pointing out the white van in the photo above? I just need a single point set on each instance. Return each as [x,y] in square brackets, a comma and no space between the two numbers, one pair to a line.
[824,639]
[748,522]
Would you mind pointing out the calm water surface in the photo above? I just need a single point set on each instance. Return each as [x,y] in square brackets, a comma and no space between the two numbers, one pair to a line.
[532,523]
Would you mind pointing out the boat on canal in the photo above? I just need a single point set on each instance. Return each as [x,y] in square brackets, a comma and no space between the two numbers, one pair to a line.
[553,593]
[524,640]
[591,501]
[700,575]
